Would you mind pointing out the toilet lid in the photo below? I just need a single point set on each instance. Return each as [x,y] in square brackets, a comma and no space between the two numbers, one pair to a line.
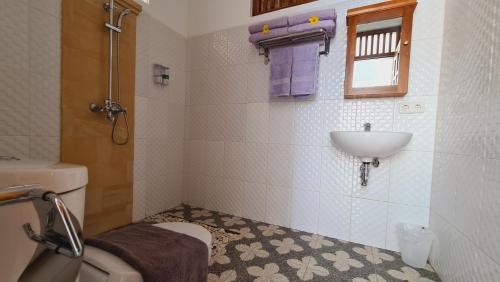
[117,268]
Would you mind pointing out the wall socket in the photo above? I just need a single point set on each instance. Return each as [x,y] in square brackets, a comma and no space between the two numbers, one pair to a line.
[411,108]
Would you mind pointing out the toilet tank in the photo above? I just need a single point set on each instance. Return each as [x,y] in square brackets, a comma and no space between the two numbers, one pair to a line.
[68,181]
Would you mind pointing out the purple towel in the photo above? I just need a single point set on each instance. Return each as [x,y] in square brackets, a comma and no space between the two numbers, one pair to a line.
[272,24]
[256,37]
[281,71]
[305,69]
[327,25]
[329,14]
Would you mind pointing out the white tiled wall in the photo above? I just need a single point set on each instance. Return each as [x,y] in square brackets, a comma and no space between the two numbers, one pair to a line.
[465,201]
[159,125]
[272,160]
[30,58]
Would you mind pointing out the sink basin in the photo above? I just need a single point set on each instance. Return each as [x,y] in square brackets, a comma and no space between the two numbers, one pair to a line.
[368,145]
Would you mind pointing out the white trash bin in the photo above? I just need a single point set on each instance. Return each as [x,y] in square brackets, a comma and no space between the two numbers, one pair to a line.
[415,243]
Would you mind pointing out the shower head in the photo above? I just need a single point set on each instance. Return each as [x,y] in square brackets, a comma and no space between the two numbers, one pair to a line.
[122,15]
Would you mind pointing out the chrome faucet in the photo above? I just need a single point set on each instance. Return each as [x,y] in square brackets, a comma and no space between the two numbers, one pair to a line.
[367,126]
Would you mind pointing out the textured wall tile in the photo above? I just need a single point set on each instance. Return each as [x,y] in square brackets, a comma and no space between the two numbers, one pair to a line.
[428,19]
[44,148]
[489,225]
[234,160]
[234,84]
[234,122]
[139,203]
[215,158]
[308,123]
[177,93]
[254,201]
[332,69]
[140,157]
[233,197]
[257,129]
[425,66]
[280,165]
[340,115]
[281,122]
[444,185]
[14,34]
[214,193]
[256,162]
[378,112]
[216,119]
[174,150]
[368,222]
[141,117]
[14,99]
[218,54]
[174,190]
[258,83]
[411,178]
[199,52]
[156,119]
[278,205]
[45,43]
[337,171]
[238,48]
[307,168]
[470,187]
[334,215]
[200,88]
[304,210]
[175,122]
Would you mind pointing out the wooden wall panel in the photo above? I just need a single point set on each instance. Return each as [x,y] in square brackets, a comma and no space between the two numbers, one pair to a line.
[86,136]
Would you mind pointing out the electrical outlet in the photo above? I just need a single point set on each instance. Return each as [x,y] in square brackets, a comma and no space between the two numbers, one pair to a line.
[411,108]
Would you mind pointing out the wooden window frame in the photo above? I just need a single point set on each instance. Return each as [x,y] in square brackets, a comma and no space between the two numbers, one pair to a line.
[260,7]
[379,12]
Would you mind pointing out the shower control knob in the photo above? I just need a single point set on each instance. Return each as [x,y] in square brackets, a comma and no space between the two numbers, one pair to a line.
[95,108]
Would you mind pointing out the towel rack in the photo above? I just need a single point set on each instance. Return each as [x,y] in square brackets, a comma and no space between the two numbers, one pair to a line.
[295,38]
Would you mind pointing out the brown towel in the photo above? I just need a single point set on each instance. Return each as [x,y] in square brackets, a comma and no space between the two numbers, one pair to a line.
[160,255]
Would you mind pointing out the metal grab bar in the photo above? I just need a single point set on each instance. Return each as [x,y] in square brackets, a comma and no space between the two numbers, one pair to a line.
[49,207]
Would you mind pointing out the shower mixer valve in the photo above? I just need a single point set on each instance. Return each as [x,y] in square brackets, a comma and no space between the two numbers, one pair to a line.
[112,109]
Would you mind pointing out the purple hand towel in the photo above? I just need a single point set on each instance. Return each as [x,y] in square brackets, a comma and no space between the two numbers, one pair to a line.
[328,26]
[322,15]
[272,24]
[256,37]
[305,69]
[281,71]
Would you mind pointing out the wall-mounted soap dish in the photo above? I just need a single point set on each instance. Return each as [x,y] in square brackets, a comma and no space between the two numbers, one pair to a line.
[161,75]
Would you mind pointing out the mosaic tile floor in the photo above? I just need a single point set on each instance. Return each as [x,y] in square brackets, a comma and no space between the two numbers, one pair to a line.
[261,252]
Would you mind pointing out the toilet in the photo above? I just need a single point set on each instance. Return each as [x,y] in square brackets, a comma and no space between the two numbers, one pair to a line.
[100,266]
[68,182]
[17,250]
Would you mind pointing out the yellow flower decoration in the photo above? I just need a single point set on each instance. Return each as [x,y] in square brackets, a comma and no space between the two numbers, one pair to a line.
[265,28]
[314,20]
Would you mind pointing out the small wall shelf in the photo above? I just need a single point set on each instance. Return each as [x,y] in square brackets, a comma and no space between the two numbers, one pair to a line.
[295,38]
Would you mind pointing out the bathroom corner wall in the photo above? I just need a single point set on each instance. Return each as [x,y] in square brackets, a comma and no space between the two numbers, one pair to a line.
[272,160]
[466,186]
[159,118]
[30,58]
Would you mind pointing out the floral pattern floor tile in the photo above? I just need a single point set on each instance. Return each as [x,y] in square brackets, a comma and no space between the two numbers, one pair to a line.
[261,252]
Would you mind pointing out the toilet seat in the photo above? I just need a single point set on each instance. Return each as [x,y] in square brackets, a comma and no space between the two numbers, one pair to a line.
[99,265]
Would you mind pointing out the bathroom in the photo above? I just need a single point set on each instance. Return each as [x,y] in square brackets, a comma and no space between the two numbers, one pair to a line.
[180,127]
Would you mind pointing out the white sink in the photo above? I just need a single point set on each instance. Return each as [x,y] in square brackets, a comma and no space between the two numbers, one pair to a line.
[369,145]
